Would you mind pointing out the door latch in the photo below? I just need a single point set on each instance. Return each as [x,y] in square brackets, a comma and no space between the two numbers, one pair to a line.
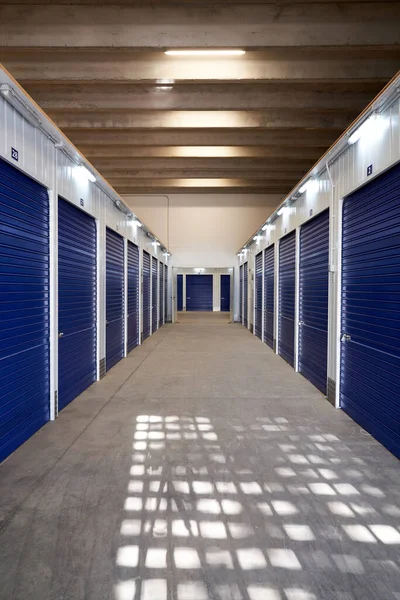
[345,337]
[301,323]
[60,335]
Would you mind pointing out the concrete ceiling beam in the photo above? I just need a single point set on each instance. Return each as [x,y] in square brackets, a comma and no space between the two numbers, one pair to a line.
[150,120]
[207,25]
[230,96]
[114,68]
[115,154]
[205,137]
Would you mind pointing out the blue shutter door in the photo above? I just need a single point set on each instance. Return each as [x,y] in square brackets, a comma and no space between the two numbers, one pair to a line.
[199,293]
[258,296]
[161,295]
[133,296]
[287,278]
[154,294]
[24,308]
[313,309]
[225,305]
[179,285]
[165,293]
[77,353]
[241,295]
[114,298]
[245,295]
[146,295]
[370,359]
[269,295]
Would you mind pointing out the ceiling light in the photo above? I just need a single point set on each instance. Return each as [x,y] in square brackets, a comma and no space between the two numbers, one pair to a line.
[139,224]
[373,127]
[205,52]
[19,104]
[304,187]
[282,210]
[84,172]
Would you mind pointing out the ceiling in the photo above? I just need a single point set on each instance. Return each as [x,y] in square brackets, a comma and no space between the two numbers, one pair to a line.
[153,123]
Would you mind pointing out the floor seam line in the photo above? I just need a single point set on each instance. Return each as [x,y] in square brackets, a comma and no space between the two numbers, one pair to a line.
[12,515]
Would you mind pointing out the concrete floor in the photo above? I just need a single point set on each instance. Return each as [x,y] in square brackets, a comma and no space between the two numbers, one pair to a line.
[201,467]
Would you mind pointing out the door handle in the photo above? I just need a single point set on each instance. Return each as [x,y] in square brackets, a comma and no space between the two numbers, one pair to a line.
[60,335]
[345,338]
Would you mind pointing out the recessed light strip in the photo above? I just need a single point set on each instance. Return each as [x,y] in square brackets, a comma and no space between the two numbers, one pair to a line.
[205,52]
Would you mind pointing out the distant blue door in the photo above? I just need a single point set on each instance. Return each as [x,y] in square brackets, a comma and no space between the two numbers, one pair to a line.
[313,305]
[225,293]
[165,293]
[269,295]
[241,294]
[258,295]
[287,284]
[179,292]
[114,298]
[199,293]
[370,326]
[161,295]
[133,296]
[77,367]
[146,295]
[24,308]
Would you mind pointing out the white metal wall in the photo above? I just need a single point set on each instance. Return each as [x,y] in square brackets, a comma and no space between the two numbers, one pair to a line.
[42,161]
[339,178]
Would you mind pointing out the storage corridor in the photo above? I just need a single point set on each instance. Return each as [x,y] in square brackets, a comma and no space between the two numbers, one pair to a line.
[201,467]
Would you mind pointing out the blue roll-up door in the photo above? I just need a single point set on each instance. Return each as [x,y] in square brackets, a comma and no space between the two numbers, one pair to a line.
[154,294]
[161,295]
[245,295]
[258,295]
[133,296]
[146,295]
[179,285]
[24,308]
[114,298]
[313,307]
[77,353]
[241,294]
[165,293]
[269,295]
[225,305]
[199,293]
[287,285]
[370,325]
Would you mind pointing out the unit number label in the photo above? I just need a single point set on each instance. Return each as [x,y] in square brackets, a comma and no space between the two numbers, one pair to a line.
[369,170]
[14,154]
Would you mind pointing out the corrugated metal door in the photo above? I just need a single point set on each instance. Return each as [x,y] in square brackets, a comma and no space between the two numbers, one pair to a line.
[165,293]
[161,295]
[77,353]
[146,295]
[24,308]
[287,285]
[199,293]
[370,352]
[114,298]
[258,296]
[246,295]
[154,294]
[133,296]
[269,295]
[241,295]
[179,285]
[313,305]
[225,305]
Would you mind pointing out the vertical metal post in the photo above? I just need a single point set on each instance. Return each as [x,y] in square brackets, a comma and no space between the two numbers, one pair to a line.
[277,303]
[338,279]
[125,297]
[262,295]
[297,302]
[53,252]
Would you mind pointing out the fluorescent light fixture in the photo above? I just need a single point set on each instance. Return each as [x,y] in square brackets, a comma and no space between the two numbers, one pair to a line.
[205,53]
[19,104]
[281,211]
[305,186]
[373,127]
[138,223]
[265,227]
[84,172]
